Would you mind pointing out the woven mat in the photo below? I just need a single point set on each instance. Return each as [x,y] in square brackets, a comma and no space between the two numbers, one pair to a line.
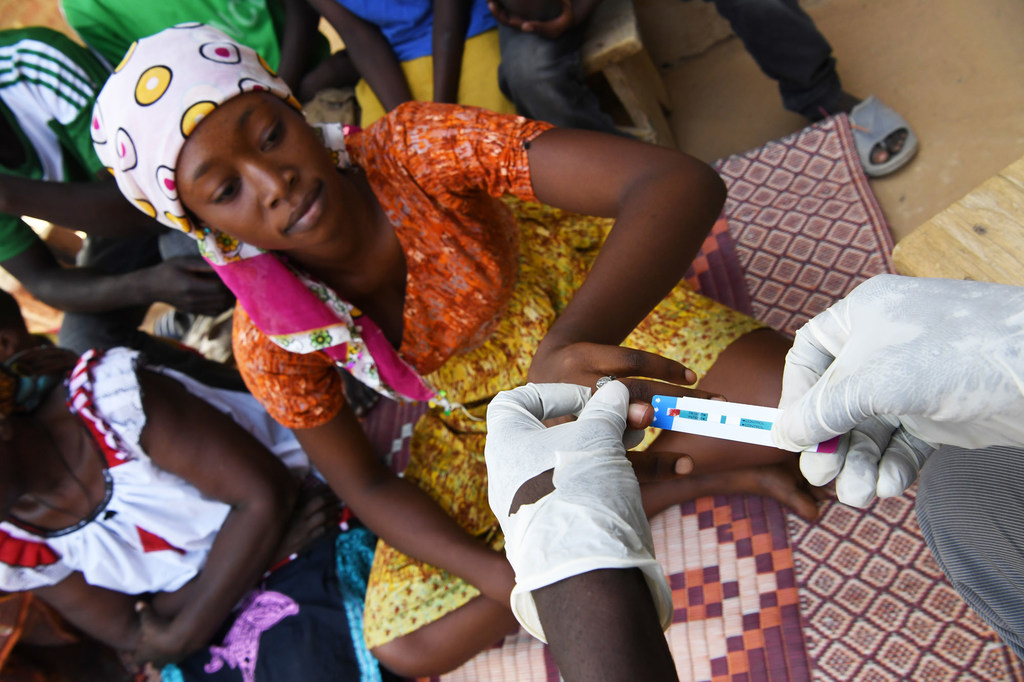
[758,593]
[877,607]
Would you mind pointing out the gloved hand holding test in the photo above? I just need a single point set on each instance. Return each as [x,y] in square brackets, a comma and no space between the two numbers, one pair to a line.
[720,419]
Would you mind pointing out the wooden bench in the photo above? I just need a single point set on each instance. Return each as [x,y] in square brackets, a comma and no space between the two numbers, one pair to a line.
[980,237]
[613,47]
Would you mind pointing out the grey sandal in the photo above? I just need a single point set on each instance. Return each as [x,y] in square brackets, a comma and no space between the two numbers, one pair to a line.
[872,123]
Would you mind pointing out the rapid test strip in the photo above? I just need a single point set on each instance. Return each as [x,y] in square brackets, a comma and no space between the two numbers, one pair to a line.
[719,419]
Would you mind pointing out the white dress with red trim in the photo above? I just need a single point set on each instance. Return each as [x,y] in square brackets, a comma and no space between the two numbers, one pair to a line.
[155,529]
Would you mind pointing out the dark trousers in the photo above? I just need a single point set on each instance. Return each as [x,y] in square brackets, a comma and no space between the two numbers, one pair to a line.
[790,50]
[544,79]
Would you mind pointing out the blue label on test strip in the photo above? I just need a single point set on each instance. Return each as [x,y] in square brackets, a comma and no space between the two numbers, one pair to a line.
[754,424]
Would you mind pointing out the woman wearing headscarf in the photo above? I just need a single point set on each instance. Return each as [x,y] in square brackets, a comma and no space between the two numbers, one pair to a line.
[420,256]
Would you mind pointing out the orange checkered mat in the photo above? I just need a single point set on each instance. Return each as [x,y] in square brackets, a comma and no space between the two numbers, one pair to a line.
[760,595]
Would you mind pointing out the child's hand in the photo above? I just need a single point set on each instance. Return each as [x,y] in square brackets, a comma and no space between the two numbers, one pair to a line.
[158,643]
[645,374]
[534,16]
[315,513]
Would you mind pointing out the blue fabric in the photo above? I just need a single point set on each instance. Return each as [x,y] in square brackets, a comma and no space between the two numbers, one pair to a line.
[171,673]
[408,25]
[354,554]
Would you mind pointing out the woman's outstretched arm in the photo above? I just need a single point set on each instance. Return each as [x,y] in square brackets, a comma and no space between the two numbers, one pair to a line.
[664,203]
[399,511]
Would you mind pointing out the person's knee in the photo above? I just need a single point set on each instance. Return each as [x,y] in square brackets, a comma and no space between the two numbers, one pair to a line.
[529,62]
[941,523]
[402,656]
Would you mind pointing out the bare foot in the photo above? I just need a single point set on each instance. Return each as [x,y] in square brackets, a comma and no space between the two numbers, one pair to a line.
[781,482]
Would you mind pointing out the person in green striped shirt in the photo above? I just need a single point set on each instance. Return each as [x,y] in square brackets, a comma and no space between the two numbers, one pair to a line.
[49,170]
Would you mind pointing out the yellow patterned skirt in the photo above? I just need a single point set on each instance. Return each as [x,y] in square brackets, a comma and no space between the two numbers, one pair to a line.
[447,451]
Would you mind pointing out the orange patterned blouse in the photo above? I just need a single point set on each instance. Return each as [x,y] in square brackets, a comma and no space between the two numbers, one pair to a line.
[438,171]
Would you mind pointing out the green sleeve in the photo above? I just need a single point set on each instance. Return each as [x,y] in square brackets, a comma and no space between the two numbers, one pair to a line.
[15,236]
[80,160]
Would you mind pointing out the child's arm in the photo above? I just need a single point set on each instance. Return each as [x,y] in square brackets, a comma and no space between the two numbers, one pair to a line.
[297,41]
[186,283]
[451,21]
[370,51]
[188,437]
[97,208]
[103,614]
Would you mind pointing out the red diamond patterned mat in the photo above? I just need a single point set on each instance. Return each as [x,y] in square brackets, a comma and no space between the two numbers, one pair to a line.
[806,226]
[877,607]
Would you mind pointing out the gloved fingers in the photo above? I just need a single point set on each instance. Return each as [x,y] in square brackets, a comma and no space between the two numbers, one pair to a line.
[650,466]
[857,482]
[609,405]
[607,415]
[836,404]
[901,462]
[806,361]
[820,467]
[525,407]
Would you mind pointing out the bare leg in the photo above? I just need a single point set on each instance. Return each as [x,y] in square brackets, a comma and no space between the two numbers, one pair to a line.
[748,371]
[449,641]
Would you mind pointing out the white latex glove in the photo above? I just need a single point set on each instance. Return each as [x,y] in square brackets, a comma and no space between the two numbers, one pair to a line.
[593,519]
[519,446]
[903,365]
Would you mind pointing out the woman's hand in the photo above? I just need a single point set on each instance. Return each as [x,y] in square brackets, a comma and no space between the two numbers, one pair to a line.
[584,363]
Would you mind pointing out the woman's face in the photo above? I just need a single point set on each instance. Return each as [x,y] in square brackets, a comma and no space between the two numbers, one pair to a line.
[254,169]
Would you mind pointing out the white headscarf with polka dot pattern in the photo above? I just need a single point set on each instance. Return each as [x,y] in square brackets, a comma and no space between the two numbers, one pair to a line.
[181,74]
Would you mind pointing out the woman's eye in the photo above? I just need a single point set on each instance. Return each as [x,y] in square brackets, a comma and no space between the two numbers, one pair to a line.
[272,136]
[225,192]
